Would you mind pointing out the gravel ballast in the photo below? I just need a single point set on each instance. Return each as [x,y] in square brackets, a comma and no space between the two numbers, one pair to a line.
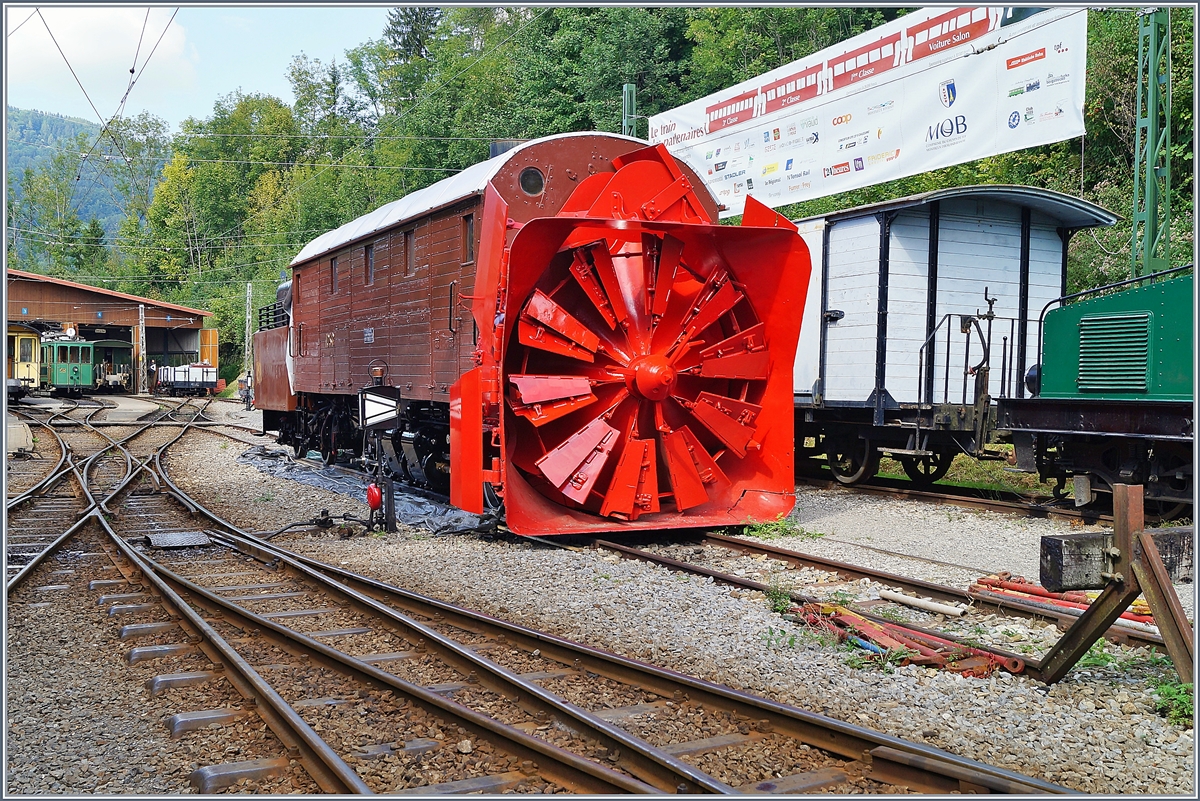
[1096,731]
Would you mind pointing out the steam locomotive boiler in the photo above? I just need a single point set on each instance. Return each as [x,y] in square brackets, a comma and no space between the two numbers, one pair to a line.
[562,329]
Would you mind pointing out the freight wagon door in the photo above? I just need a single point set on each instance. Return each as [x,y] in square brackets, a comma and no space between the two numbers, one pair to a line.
[208,346]
[851,310]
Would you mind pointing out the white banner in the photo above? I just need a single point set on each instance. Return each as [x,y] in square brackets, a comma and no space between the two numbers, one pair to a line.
[933,88]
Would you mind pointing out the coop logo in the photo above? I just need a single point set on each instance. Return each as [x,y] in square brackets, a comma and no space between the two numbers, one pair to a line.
[949,131]
[837,169]
[947,93]
[1014,119]
[842,119]
[858,164]
[1054,80]
[879,108]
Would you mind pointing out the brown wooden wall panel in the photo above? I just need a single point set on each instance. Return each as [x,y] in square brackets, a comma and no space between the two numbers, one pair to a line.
[271,389]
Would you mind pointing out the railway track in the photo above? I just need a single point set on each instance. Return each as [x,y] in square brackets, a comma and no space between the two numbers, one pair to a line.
[371,688]
[807,579]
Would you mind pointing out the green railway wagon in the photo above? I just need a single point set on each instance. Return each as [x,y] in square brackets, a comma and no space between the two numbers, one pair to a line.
[67,367]
[1134,345]
[1113,400]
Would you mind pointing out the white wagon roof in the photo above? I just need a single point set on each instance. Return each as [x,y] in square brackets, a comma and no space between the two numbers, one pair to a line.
[470,181]
[1068,210]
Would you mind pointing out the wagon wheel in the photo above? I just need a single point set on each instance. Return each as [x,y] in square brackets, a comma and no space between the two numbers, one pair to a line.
[635,377]
[328,441]
[852,461]
[924,470]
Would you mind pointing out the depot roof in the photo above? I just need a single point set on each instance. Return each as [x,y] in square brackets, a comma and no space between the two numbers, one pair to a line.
[112,293]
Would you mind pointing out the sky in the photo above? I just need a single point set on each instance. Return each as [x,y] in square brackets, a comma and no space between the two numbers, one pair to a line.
[206,52]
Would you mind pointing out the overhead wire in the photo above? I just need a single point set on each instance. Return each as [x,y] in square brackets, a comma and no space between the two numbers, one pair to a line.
[14,30]
[125,97]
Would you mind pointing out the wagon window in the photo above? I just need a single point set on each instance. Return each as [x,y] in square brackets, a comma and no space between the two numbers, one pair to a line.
[296,289]
[62,354]
[369,260]
[410,258]
[333,276]
[74,354]
[26,350]
[468,231]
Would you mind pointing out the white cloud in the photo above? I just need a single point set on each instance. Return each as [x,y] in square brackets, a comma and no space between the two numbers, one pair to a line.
[100,44]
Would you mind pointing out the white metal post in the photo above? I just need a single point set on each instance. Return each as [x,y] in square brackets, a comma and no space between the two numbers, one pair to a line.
[248,360]
[143,378]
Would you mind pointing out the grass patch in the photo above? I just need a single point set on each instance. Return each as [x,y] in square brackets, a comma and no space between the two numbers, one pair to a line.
[885,662]
[779,528]
[779,600]
[266,497]
[976,474]
[1175,702]
[1096,657]
[778,638]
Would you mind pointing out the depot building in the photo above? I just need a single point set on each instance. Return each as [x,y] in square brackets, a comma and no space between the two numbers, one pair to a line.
[172,334]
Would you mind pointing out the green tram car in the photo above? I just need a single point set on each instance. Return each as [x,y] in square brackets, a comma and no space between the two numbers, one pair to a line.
[67,367]
[72,367]
[1112,393]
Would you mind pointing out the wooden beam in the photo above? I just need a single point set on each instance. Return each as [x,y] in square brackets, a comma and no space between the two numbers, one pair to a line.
[1164,604]
[1121,591]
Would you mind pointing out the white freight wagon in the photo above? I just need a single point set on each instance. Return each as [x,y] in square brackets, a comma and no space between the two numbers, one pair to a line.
[187,379]
[920,311]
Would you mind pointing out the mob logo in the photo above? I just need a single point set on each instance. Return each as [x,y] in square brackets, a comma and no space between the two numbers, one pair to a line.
[951,126]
